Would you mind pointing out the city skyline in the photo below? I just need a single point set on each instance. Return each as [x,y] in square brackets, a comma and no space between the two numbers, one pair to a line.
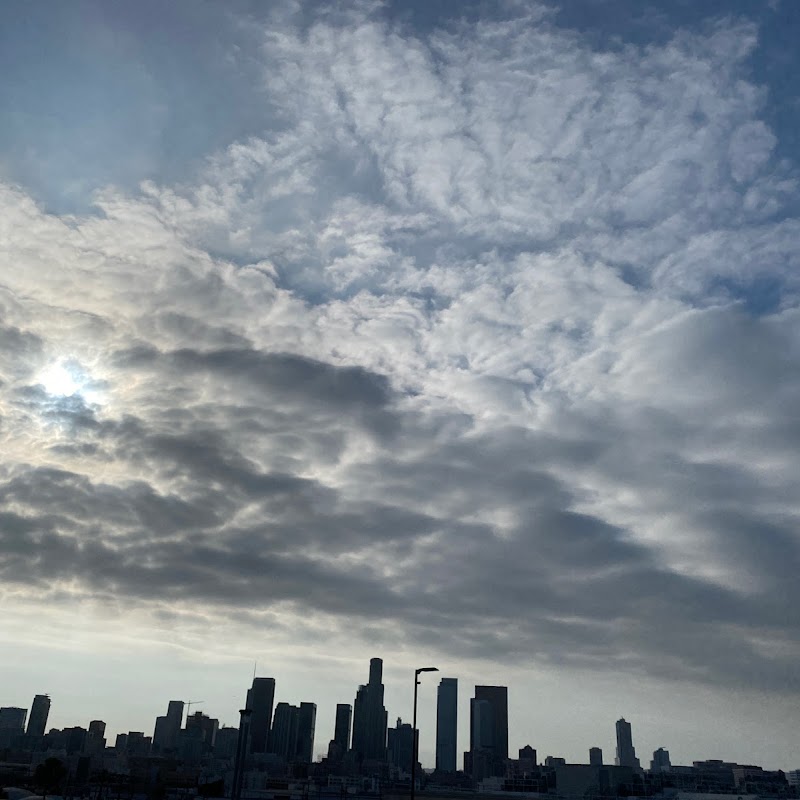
[495,728]
[462,333]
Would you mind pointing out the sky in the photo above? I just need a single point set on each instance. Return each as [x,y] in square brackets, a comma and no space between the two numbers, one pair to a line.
[464,335]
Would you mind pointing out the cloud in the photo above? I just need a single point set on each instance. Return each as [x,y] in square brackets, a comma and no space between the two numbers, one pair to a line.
[465,348]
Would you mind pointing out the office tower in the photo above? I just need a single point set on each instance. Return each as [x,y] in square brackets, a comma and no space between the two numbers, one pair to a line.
[488,731]
[341,731]
[660,762]
[95,738]
[400,745]
[40,710]
[202,728]
[497,697]
[137,744]
[121,743]
[369,716]
[306,725]
[12,718]
[283,737]
[12,724]
[225,743]
[595,756]
[527,758]
[175,713]
[165,735]
[260,699]
[75,739]
[446,724]
[626,754]
[555,761]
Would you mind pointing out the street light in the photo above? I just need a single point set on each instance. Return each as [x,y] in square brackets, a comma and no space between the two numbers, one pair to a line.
[414,731]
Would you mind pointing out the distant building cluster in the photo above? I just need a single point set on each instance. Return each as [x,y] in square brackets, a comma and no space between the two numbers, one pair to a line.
[270,755]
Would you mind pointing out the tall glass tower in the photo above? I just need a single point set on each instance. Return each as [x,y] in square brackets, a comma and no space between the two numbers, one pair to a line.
[40,710]
[260,699]
[446,725]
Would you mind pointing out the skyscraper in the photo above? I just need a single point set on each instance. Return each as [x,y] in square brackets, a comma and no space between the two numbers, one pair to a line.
[660,762]
[446,724]
[12,718]
[341,732]
[488,731]
[595,756]
[40,710]
[95,738]
[283,737]
[260,698]
[306,724]
[12,724]
[202,728]
[400,745]
[626,754]
[369,716]
[165,735]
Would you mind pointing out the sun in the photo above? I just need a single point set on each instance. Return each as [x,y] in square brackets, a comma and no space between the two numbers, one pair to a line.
[59,380]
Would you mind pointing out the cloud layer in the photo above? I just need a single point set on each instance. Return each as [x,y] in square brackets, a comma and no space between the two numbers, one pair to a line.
[491,341]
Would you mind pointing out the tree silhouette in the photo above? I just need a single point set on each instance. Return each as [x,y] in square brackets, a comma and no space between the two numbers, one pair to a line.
[50,774]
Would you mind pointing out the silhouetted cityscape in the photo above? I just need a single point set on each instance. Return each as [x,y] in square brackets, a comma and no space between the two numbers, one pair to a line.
[271,754]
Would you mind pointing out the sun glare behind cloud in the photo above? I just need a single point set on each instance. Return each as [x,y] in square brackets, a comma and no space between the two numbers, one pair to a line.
[60,380]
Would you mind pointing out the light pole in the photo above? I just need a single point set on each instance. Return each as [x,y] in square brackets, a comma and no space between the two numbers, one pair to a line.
[414,729]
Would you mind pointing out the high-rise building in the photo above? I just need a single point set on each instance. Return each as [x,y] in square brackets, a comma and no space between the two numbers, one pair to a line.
[75,739]
[306,725]
[400,745]
[369,716]
[202,728]
[446,724]
[660,762]
[225,743]
[260,699]
[13,718]
[95,738]
[283,737]
[175,714]
[12,724]
[341,731]
[626,754]
[595,756]
[137,744]
[488,731]
[37,720]
[165,735]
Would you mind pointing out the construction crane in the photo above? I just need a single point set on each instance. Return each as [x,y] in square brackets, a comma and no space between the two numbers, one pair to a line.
[190,703]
